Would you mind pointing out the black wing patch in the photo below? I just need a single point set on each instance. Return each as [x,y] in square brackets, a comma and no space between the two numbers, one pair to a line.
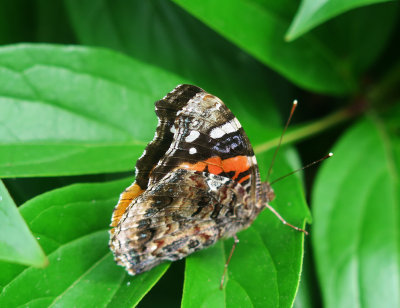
[166,110]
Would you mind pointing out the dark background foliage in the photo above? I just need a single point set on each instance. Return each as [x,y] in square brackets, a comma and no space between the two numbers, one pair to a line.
[78,80]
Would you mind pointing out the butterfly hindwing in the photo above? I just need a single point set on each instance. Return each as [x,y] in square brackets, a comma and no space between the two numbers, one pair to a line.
[184,212]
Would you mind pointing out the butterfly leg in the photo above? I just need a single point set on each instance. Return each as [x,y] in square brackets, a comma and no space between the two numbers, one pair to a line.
[236,241]
[284,221]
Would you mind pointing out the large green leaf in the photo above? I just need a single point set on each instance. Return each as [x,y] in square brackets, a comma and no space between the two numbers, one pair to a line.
[161,33]
[265,267]
[356,213]
[74,110]
[308,295]
[17,243]
[314,12]
[258,27]
[72,224]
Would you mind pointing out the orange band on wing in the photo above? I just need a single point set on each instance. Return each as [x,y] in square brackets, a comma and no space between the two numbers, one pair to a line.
[215,165]
[238,164]
[125,199]
[244,178]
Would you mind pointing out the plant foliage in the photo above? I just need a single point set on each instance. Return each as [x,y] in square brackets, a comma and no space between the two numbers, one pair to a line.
[78,81]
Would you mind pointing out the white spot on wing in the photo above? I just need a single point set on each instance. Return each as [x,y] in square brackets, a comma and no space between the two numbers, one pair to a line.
[213,185]
[228,128]
[192,151]
[215,182]
[194,134]
[216,133]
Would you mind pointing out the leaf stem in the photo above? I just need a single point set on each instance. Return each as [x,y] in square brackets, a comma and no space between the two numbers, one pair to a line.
[308,130]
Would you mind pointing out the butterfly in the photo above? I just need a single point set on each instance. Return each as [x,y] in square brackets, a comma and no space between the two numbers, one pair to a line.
[197,182]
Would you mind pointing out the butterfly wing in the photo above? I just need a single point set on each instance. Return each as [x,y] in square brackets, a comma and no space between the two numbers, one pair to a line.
[196,182]
[184,212]
[209,138]
[157,148]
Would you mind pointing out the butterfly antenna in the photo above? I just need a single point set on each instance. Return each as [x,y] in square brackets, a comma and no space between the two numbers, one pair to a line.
[302,168]
[280,139]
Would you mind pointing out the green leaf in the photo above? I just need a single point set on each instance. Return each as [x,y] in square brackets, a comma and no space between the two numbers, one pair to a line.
[264,270]
[72,224]
[17,243]
[356,213]
[161,33]
[314,12]
[308,295]
[110,132]
[350,35]
[258,27]
[75,110]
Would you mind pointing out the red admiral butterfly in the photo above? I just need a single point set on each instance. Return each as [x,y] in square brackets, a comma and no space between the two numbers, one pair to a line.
[196,182]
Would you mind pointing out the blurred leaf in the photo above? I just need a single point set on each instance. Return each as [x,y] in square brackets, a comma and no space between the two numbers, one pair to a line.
[161,33]
[265,267]
[356,212]
[16,21]
[350,35]
[158,32]
[34,21]
[259,27]
[52,24]
[75,110]
[314,12]
[17,243]
[72,224]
